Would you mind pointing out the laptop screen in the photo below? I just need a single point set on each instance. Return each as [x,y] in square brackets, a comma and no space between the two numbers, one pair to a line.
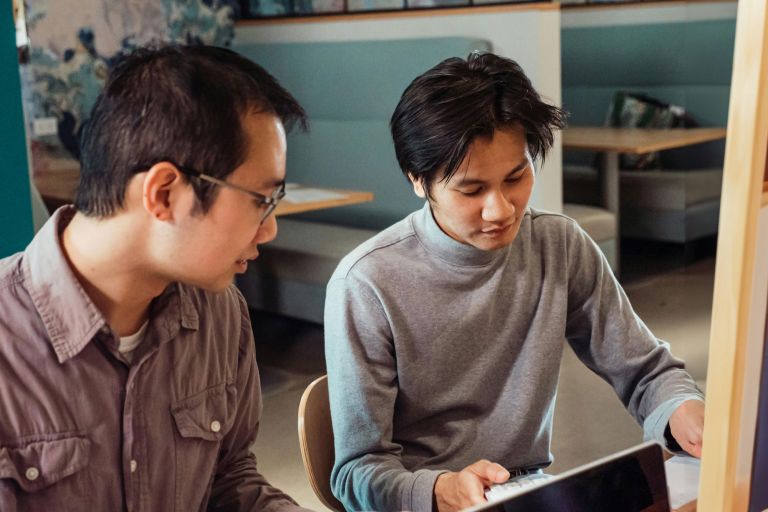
[629,481]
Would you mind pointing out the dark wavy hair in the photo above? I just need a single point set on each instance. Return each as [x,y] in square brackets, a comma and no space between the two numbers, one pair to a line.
[183,104]
[444,110]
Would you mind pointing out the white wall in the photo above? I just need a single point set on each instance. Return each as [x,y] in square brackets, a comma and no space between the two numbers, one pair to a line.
[529,36]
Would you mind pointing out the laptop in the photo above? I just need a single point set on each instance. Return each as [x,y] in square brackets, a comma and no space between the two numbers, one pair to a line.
[629,481]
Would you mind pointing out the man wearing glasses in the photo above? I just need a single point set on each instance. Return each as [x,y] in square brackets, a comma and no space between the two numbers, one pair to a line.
[128,378]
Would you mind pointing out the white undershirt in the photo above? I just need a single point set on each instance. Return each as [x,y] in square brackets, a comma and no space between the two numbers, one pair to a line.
[129,343]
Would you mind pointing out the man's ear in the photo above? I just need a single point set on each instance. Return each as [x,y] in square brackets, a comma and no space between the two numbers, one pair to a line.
[161,186]
[418,185]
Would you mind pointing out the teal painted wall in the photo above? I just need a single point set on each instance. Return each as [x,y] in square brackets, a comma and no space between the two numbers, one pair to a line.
[15,204]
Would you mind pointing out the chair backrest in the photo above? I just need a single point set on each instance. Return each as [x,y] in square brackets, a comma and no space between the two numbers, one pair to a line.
[316,441]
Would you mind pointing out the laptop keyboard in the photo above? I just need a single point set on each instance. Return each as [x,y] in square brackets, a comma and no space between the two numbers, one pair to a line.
[515,486]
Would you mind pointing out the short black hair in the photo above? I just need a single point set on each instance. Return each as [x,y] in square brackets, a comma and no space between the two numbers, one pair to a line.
[444,110]
[183,104]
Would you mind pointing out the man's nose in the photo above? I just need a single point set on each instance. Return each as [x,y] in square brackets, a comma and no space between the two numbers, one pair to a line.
[497,207]
[267,230]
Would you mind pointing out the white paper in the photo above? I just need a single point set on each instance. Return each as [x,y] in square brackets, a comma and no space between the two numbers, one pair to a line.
[682,480]
[308,195]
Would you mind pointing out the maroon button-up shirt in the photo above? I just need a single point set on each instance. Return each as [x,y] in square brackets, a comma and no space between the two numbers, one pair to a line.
[83,430]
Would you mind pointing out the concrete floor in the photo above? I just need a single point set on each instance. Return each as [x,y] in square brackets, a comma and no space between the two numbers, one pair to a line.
[590,422]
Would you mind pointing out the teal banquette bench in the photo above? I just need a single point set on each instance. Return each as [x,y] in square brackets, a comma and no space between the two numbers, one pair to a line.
[349,90]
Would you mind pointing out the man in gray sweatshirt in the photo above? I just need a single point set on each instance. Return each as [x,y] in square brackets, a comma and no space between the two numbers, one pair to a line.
[444,333]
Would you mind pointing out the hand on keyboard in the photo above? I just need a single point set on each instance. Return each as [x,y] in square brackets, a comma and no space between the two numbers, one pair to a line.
[515,486]
[455,491]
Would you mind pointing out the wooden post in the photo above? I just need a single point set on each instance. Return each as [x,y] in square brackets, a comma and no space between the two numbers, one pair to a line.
[736,348]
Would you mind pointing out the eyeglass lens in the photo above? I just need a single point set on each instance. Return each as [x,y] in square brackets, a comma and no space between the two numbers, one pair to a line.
[275,198]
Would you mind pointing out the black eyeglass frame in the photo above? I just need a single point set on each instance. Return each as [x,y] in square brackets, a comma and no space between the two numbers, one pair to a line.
[271,202]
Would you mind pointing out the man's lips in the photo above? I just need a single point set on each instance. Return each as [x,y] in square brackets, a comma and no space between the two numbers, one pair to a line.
[497,230]
[243,261]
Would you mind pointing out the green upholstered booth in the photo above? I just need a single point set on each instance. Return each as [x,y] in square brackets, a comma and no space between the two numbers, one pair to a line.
[349,89]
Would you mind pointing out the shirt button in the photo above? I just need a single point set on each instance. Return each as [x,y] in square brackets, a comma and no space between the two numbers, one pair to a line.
[134,465]
[215,426]
[32,473]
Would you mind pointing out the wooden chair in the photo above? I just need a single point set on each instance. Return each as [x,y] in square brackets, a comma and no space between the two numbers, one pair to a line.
[316,441]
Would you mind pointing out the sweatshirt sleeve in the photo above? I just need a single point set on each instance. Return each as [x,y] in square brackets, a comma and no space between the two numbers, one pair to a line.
[362,380]
[609,337]
[238,484]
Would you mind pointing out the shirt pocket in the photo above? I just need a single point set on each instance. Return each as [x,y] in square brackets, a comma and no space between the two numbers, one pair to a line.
[45,472]
[202,420]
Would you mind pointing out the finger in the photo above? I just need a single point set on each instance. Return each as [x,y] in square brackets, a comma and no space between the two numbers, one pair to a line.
[697,436]
[694,449]
[695,432]
[489,472]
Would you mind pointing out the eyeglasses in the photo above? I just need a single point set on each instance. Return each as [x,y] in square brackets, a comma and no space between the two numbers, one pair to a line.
[267,203]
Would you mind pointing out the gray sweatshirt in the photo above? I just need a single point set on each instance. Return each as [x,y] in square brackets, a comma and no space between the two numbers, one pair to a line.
[440,354]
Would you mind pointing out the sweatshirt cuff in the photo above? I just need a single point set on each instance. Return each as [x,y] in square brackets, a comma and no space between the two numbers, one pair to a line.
[423,491]
[656,424]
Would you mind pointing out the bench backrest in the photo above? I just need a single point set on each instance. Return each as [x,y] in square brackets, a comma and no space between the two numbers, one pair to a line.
[350,89]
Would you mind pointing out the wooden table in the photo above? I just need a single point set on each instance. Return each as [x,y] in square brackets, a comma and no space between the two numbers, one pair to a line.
[636,141]
[613,141]
[58,184]
[299,198]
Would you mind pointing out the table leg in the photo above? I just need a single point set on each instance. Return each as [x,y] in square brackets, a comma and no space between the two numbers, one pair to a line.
[611,182]
[610,187]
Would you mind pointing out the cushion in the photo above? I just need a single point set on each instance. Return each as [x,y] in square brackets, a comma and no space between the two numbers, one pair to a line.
[670,190]
[661,190]
[291,273]
[600,224]
[308,251]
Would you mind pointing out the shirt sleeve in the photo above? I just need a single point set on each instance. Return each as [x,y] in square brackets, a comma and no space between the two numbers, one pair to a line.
[609,337]
[362,382]
[238,485]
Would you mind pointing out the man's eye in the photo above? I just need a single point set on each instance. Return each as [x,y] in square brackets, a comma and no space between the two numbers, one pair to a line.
[470,192]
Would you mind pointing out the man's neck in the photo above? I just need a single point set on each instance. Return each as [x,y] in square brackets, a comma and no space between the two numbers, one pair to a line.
[106,255]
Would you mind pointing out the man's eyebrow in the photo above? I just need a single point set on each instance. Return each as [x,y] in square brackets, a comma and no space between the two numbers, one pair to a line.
[477,181]
[272,183]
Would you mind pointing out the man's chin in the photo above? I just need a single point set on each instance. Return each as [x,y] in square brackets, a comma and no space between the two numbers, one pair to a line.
[491,246]
[487,243]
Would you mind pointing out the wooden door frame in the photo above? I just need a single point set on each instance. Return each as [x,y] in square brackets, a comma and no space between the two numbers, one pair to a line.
[735,353]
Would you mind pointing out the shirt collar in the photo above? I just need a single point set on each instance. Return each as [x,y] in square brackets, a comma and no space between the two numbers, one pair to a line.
[172,310]
[70,317]
[446,248]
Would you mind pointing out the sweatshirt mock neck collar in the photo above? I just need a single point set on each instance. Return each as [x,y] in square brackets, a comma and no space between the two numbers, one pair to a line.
[446,248]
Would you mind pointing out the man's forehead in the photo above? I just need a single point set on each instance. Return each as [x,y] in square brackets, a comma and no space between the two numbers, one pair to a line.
[260,174]
[467,174]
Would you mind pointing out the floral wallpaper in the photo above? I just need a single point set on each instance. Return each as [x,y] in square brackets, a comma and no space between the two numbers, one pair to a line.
[74,43]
